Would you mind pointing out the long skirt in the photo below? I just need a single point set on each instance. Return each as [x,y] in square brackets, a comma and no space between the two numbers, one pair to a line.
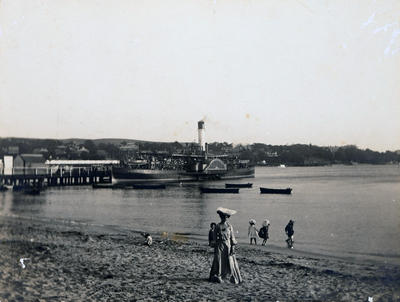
[224,265]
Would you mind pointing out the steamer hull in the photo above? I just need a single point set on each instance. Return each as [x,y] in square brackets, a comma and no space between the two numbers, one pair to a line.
[123,175]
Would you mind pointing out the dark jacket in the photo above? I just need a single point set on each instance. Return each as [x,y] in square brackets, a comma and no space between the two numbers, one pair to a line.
[263,233]
[212,238]
[289,229]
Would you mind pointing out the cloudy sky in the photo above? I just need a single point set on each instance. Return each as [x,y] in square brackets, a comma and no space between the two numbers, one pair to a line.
[272,71]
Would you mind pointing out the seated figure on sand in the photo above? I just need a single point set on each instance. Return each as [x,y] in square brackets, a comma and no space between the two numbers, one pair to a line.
[148,239]
[224,264]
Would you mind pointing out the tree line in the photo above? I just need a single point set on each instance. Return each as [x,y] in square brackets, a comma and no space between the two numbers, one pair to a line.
[311,155]
[257,153]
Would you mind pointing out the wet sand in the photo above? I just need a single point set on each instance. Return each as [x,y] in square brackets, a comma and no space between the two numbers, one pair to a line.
[78,262]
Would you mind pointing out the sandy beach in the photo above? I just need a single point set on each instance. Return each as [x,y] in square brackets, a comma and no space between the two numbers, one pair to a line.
[78,262]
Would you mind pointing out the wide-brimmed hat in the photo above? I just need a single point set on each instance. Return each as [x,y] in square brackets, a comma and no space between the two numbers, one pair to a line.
[252,221]
[265,222]
[226,211]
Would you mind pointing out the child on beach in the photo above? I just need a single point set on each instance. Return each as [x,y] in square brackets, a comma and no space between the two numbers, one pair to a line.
[263,233]
[211,235]
[148,240]
[252,233]
[289,232]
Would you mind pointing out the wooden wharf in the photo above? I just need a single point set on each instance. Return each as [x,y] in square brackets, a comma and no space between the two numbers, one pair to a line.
[63,176]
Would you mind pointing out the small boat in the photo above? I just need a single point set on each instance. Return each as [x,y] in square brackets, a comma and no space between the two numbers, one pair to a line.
[248,185]
[18,188]
[275,191]
[31,190]
[102,186]
[219,190]
[149,186]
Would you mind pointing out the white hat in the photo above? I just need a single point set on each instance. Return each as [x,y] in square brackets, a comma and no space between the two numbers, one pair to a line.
[226,211]
[265,222]
[252,221]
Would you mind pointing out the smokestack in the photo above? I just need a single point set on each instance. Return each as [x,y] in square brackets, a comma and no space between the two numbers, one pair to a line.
[202,135]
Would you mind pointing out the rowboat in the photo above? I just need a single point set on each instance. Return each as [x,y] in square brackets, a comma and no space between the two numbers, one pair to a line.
[149,186]
[32,191]
[248,185]
[275,191]
[219,190]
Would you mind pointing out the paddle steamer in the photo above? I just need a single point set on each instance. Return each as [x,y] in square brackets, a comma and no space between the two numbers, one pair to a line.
[191,165]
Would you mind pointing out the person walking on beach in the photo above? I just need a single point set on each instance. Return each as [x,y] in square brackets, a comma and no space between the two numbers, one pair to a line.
[263,233]
[252,232]
[289,232]
[211,235]
[224,265]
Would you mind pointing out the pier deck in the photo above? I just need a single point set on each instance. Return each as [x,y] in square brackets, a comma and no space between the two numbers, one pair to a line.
[60,177]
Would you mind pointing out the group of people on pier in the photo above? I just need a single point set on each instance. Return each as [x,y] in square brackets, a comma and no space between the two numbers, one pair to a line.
[222,238]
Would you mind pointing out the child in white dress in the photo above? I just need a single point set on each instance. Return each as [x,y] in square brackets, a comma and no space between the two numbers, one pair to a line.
[253,232]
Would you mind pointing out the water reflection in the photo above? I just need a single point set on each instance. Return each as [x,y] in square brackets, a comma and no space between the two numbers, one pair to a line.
[4,202]
[177,209]
[18,203]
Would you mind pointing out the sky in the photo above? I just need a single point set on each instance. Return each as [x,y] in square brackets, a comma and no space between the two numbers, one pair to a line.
[276,71]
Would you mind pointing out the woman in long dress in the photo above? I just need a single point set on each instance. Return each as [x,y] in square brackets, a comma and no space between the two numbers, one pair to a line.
[224,264]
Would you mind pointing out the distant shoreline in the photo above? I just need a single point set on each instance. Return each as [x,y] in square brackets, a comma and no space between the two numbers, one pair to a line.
[330,165]
[256,153]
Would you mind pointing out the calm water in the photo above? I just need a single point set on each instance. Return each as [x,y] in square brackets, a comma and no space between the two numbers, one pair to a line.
[339,210]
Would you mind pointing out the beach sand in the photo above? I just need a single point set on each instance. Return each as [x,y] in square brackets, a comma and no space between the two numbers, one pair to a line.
[78,262]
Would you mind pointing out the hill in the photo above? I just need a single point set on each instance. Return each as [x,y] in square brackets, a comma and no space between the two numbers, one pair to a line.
[257,153]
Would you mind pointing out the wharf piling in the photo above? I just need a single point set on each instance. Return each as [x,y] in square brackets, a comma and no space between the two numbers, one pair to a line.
[65,176]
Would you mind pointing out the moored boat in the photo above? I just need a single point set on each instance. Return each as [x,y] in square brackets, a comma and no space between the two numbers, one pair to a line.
[275,191]
[149,186]
[132,175]
[248,185]
[103,186]
[32,189]
[219,190]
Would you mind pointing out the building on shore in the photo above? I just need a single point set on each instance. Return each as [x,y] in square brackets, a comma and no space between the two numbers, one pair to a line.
[29,164]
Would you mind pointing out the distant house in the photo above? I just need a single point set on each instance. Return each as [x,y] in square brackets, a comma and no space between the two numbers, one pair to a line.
[129,147]
[29,164]
[13,150]
[82,149]
[102,153]
[163,152]
[8,165]
[42,151]
[272,154]
[61,151]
